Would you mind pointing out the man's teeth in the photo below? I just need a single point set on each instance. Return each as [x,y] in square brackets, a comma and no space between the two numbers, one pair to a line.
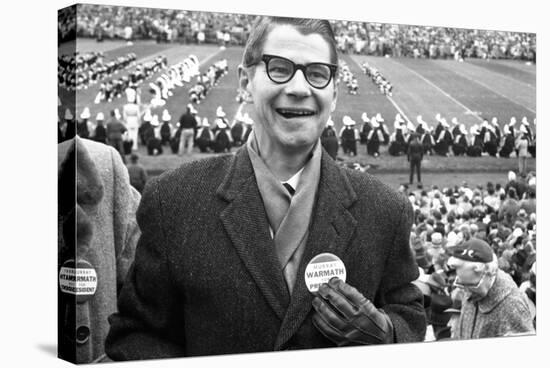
[295,112]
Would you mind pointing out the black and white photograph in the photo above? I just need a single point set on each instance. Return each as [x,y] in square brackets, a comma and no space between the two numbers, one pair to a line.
[319,187]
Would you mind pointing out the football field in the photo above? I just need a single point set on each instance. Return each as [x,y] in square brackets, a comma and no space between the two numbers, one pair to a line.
[471,91]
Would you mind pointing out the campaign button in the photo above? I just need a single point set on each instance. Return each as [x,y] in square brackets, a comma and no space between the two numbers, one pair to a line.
[82,334]
[322,268]
[79,280]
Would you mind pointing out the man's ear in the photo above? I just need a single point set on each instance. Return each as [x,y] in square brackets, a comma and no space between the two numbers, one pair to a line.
[245,78]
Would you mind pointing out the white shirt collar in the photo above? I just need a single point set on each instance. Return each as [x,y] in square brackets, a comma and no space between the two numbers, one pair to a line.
[294,180]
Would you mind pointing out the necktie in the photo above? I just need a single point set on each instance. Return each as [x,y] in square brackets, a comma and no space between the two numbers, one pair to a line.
[289,188]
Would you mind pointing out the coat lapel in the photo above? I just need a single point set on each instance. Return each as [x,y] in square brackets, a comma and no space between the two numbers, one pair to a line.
[331,230]
[246,224]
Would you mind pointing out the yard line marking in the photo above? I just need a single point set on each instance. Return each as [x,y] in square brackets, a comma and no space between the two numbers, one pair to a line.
[492,90]
[388,97]
[468,110]
[399,109]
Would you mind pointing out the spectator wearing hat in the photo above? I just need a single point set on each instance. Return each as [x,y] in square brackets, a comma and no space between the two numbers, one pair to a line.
[100,132]
[415,152]
[492,304]
[188,125]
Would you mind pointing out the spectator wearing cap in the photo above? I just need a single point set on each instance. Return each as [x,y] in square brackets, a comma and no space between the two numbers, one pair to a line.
[492,305]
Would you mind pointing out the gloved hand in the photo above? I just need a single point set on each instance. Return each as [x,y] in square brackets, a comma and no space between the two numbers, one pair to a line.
[346,317]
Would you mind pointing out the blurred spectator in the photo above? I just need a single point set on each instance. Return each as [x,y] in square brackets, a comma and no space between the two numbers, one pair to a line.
[137,173]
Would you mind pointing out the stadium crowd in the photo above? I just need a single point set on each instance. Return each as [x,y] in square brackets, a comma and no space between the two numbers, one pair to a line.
[400,40]
[504,216]
[380,39]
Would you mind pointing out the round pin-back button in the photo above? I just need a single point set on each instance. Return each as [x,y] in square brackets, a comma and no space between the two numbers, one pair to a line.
[78,279]
[322,268]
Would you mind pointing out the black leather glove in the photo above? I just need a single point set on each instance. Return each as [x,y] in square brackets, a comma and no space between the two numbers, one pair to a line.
[346,317]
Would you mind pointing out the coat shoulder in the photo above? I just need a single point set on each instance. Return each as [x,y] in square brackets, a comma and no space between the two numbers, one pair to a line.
[371,191]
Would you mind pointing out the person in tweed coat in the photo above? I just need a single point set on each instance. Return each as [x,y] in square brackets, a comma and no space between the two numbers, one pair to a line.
[210,274]
[492,305]
[102,211]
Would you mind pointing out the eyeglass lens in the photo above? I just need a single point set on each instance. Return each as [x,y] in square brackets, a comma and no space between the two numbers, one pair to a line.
[282,70]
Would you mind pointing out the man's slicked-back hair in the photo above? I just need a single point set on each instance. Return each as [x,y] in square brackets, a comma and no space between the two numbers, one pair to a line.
[263,25]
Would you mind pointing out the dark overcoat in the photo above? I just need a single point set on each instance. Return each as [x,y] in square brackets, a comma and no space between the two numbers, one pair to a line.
[206,278]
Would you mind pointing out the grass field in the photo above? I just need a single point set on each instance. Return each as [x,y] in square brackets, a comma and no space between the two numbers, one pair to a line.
[470,91]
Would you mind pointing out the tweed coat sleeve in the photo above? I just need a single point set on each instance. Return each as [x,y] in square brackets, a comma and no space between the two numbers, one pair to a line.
[400,299]
[146,304]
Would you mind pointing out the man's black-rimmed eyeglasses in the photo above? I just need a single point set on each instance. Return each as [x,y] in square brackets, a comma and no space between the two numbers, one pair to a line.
[280,70]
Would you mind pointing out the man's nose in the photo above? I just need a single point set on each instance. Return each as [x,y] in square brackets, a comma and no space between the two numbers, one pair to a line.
[298,85]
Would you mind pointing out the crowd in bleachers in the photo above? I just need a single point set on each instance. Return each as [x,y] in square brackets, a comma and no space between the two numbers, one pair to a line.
[503,215]
[164,25]
[401,40]
[398,40]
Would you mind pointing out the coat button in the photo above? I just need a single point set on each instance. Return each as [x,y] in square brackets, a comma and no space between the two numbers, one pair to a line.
[82,334]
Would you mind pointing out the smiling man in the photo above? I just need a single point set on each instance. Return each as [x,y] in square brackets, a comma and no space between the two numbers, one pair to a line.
[225,241]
